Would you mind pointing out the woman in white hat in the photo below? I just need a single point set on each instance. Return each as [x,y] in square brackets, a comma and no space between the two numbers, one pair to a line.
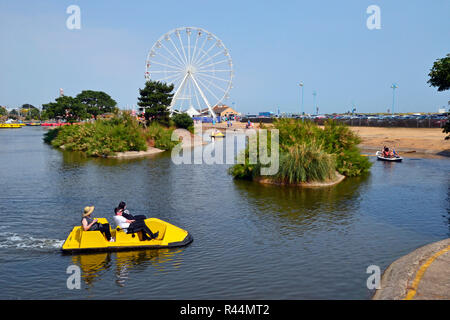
[91,224]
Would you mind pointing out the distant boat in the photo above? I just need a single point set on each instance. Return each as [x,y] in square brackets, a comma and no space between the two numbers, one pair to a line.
[11,125]
[394,159]
[54,124]
[217,135]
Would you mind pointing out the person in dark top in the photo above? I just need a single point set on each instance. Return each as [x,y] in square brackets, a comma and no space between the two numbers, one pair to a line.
[132,226]
[127,214]
[91,224]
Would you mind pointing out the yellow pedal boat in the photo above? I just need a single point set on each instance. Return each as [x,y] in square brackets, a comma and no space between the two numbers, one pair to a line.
[11,125]
[217,135]
[85,241]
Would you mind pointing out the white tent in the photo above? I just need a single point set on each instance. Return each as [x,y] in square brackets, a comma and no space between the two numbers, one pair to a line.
[192,112]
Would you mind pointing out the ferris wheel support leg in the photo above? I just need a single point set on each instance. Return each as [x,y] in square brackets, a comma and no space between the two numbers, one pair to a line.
[204,98]
[175,96]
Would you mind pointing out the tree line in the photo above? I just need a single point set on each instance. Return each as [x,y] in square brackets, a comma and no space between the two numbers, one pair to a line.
[27,111]
[86,105]
[440,79]
[154,101]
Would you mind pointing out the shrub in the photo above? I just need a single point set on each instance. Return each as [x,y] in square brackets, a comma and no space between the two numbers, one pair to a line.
[245,171]
[100,138]
[182,120]
[161,136]
[340,140]
[51,134]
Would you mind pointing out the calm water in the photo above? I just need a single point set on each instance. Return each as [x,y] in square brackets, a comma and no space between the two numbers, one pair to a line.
[250,241]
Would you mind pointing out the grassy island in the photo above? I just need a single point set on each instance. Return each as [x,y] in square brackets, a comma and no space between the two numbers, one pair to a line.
[122,133]
[309,154]
[106,137]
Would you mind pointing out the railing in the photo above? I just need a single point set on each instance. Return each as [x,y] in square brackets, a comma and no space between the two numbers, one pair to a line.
[361,122]
[392,123]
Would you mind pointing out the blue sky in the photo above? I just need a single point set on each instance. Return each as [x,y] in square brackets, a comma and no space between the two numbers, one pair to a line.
[274,45]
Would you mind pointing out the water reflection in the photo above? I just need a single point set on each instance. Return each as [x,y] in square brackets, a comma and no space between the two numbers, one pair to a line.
[76,159]
[389,167]
[293,208]
[73,158]
[91,266]
[95,264]
[448,208]
[128,260]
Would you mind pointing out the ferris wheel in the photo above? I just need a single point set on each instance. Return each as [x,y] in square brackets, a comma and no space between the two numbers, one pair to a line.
[197,63]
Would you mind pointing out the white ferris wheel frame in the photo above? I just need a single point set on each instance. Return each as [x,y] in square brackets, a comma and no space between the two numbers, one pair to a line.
[194,65]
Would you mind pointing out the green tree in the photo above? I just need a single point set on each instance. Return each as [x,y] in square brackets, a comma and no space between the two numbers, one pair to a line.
[29,111]
[183,120]
[440,74]
[440,78]
[65,107]
[155,98]
[3,111]
[96,102]
[13,114]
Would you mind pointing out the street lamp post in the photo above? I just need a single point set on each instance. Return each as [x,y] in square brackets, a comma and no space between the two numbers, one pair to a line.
[314,102]
[394,86]
[302,109]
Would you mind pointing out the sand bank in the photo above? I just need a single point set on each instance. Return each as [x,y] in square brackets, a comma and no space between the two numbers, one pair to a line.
[187,139]
[339,178]
[136,154]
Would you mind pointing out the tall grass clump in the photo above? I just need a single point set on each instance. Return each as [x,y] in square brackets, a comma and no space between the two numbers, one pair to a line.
[334,138]
[306,163]
[311,153]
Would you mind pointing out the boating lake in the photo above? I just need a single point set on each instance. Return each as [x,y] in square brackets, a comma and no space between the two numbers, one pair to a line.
[251,241]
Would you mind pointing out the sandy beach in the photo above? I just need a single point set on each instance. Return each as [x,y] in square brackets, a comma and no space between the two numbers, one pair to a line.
[409,141]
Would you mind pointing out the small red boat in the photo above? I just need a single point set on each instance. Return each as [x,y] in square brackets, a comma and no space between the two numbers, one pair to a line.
[54,124]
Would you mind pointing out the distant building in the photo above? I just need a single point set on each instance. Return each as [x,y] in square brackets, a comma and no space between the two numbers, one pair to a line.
[267,114]
[221,111]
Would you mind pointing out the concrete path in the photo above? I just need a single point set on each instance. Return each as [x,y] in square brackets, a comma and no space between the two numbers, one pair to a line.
[424,274]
